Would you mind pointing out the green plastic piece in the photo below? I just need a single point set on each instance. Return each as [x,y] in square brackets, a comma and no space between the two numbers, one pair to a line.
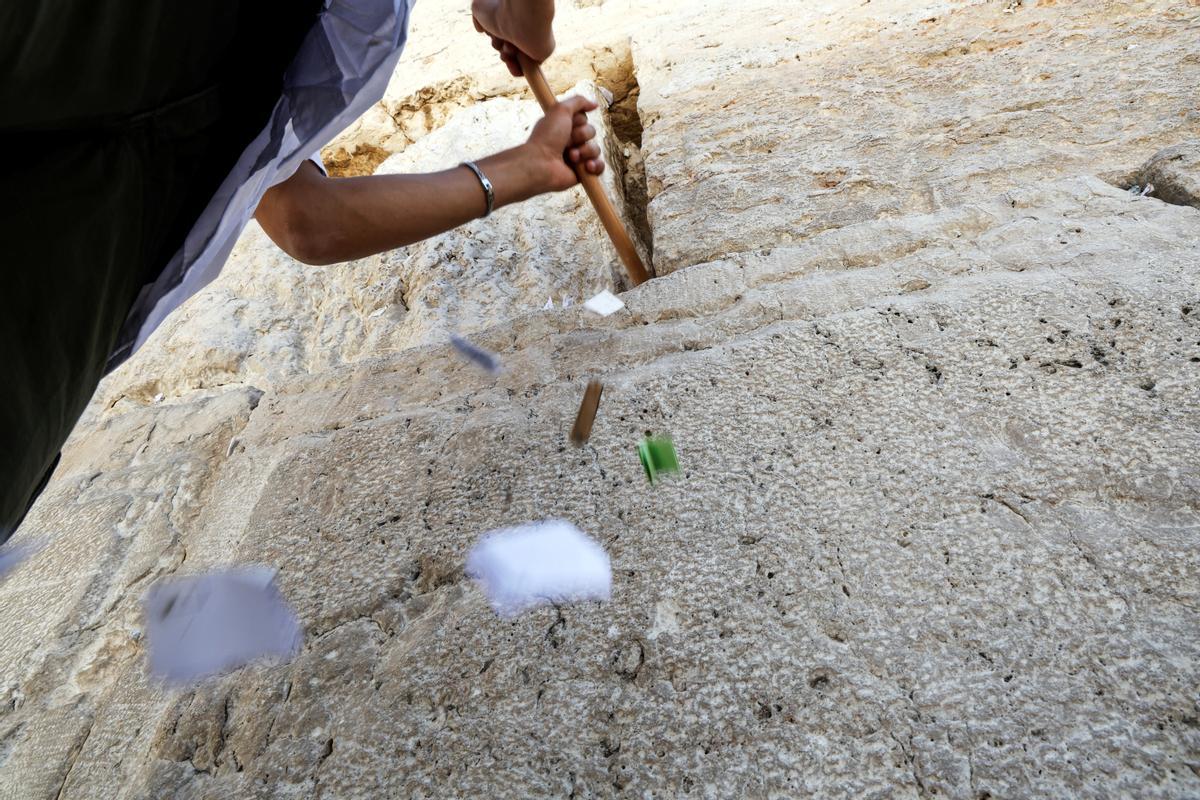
[658,456]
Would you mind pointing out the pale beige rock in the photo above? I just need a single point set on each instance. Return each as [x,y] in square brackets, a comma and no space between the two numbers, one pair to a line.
[447,66]
[844,114]
[928,542]
[1174,172]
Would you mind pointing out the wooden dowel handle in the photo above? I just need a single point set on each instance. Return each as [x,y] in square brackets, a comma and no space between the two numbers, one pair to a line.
[582,430]
[591,183]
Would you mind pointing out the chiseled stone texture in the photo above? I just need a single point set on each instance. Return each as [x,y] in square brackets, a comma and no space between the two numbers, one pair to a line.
[840,114]
[938,528]
[1174,172]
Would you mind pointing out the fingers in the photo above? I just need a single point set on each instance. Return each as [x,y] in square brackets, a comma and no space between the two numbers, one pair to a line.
[508,54]
[583,149]
[582,132]
[593,165]
[588,152]
[578,105]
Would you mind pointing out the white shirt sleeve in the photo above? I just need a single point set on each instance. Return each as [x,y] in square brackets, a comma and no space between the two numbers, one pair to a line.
[368,37]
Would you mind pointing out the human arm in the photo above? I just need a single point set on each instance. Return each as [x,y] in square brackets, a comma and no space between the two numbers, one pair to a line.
[320,220]
[517,25]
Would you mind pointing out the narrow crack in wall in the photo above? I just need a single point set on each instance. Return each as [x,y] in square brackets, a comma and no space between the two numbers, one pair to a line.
[626,124]
[1174,172]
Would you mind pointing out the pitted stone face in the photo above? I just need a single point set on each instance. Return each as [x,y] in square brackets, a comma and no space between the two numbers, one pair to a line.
[933,384]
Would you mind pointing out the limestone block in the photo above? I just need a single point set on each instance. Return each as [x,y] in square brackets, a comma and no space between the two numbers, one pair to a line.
[1175,174]
[447,66]
[936,411]
[840,116]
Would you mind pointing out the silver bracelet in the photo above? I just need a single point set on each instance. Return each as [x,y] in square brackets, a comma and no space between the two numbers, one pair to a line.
[487,185]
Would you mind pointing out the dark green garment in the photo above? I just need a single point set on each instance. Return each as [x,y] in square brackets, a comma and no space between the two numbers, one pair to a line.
[118,121]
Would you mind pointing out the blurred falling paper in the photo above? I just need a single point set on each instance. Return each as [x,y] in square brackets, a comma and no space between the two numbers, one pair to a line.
[657,454]
[9,559]
[11,556]
[604,304]
[484,359]
[526,566]
[204,625]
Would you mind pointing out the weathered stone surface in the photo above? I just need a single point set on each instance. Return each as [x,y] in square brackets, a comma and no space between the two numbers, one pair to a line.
[446,69]
[844,113]
[937,529]
[1174,172]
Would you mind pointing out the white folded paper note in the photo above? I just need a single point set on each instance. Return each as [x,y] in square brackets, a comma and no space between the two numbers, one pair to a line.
[203,625]
[604,304]
[538,563]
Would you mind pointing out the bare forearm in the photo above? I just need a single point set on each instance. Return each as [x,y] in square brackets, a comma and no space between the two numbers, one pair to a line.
[326,220]
[320,220]
[382,212]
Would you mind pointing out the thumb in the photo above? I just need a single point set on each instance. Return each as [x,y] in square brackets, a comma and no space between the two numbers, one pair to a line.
[577,103]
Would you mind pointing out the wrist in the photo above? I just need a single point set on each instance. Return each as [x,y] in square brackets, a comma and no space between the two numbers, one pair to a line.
[535,165]
[516,174]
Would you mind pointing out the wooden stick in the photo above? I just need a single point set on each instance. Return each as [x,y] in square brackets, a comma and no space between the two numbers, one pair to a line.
[587,413]
[591,183]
